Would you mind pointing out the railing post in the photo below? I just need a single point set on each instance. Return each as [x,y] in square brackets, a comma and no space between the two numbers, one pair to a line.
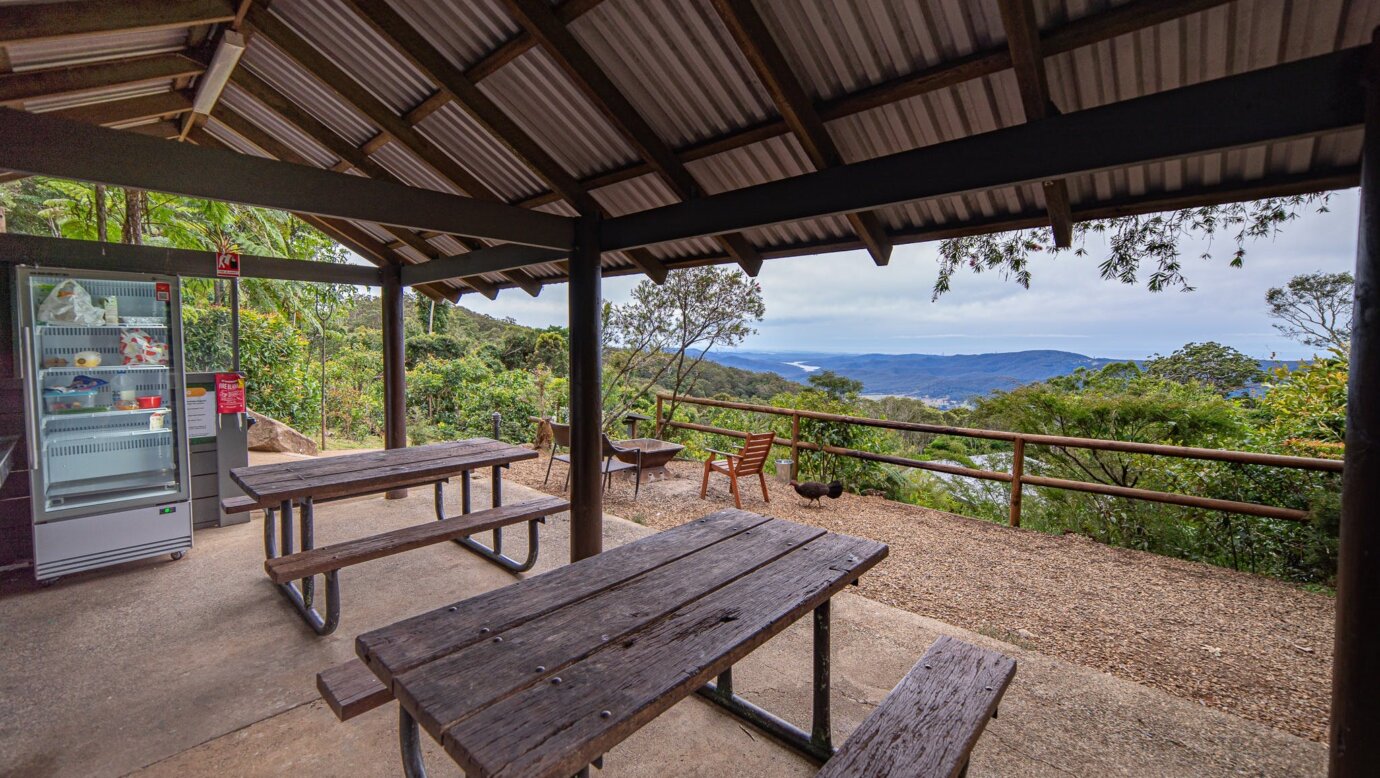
[1017,470]
[795,446]
[657,434]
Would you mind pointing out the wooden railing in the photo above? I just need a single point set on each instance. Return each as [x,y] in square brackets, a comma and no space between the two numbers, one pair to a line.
[1017,477]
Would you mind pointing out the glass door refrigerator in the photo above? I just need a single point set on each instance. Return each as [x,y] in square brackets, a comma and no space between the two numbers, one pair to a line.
[101,355]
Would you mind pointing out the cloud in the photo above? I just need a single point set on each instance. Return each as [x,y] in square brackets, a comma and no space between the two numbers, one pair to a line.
[844,303]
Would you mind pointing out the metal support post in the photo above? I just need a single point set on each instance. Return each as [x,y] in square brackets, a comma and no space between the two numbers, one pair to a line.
[586,407]
[394,369]
[1355,737]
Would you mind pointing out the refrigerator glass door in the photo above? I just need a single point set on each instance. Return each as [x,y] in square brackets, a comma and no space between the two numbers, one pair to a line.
[103,353]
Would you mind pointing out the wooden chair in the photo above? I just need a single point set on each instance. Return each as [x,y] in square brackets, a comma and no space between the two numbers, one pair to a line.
[749,460]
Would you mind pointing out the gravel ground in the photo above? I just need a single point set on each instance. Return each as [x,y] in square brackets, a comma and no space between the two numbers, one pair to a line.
[1249,645]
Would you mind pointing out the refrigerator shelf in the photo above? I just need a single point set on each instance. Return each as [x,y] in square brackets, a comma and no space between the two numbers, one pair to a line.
[55,438]
[54,325]
[51,417]
[101,368]
[153,481]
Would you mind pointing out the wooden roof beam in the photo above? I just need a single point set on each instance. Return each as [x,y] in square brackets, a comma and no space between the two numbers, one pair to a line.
[133,109]
[1298,99]
[241,126]
[51,21]
[547,28]
[1023,40]
[797,108]
[16,88]
[350,155]
[1122,20]
[411,44]
[352,92]
[391,124]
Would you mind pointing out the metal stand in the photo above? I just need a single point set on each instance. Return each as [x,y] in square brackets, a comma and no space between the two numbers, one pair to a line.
[409,740]
[816,744]
[302,598]
[495,553]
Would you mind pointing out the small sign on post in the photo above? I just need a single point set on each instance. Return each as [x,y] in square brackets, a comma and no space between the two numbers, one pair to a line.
[230,393]
[227,264]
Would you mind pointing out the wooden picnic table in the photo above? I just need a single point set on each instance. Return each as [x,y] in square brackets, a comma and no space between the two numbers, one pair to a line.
[278,487]
[541,678]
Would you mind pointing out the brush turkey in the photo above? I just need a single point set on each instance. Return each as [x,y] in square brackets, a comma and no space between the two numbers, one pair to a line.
[813,490]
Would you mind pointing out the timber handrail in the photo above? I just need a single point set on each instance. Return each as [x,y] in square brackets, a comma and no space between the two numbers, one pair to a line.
[1019,440]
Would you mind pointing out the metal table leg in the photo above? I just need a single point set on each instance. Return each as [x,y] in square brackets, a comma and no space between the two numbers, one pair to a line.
[409,740]
[816,744]
[302,598]
[495,553]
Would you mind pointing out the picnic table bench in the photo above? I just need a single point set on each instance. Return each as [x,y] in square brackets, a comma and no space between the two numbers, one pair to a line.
[541,678]
[279,487]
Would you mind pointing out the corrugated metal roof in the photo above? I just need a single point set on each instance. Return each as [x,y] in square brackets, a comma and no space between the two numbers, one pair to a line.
[678,66]
[63,52]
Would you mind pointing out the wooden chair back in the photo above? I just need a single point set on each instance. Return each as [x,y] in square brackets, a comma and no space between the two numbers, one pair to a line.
[752,457]
[560,435]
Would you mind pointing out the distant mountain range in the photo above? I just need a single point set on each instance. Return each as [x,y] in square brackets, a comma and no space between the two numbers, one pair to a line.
[941,380]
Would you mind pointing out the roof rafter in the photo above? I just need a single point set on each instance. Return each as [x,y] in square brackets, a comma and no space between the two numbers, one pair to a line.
[46,145]
[546,27]
[1299,99]
[131,109]
[353,93]
[15,88]
[393,125]
[27,23]
[755,40]
[405,38]
[381,253]
[1122,20]
[351,157]
[1023,40]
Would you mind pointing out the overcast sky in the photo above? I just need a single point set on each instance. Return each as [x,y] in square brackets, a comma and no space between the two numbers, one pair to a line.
[843,303]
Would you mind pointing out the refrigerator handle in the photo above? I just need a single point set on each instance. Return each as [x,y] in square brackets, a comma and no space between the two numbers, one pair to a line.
[26,366]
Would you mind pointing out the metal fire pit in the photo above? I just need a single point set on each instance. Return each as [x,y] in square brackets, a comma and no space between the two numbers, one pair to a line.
[655,454]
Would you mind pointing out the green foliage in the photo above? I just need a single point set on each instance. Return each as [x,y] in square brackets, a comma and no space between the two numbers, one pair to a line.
[1132,241]
[1223,368]
[450,399]
[1304,410]
[276,359]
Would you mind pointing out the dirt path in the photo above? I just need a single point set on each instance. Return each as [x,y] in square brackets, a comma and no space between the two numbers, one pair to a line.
[1252,646]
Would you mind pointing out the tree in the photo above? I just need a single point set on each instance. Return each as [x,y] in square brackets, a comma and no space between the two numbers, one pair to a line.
[1314,309]
[836,386]
[664,332]
[1131,241]
[1223,368]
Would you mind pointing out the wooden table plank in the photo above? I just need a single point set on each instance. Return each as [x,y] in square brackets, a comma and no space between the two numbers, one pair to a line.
[556,728]
[265,475]
[929,724]
[396,649]
[268,476]
[447,690]
[305,564]
[349,476]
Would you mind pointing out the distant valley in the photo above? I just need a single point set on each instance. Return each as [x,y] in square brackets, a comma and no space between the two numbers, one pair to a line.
[940,380]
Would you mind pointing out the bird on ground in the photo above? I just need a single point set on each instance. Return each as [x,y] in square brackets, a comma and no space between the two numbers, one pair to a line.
[813,490]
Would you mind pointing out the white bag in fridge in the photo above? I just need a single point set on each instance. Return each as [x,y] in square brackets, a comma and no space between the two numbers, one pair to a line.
[69,303]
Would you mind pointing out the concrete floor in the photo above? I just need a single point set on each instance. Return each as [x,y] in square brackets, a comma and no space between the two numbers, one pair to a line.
[199,667]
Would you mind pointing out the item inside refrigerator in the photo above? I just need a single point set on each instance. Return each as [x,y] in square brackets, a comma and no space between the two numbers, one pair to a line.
[71,402]
[138,347]
[70,303]
[152,401]
[87,359]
